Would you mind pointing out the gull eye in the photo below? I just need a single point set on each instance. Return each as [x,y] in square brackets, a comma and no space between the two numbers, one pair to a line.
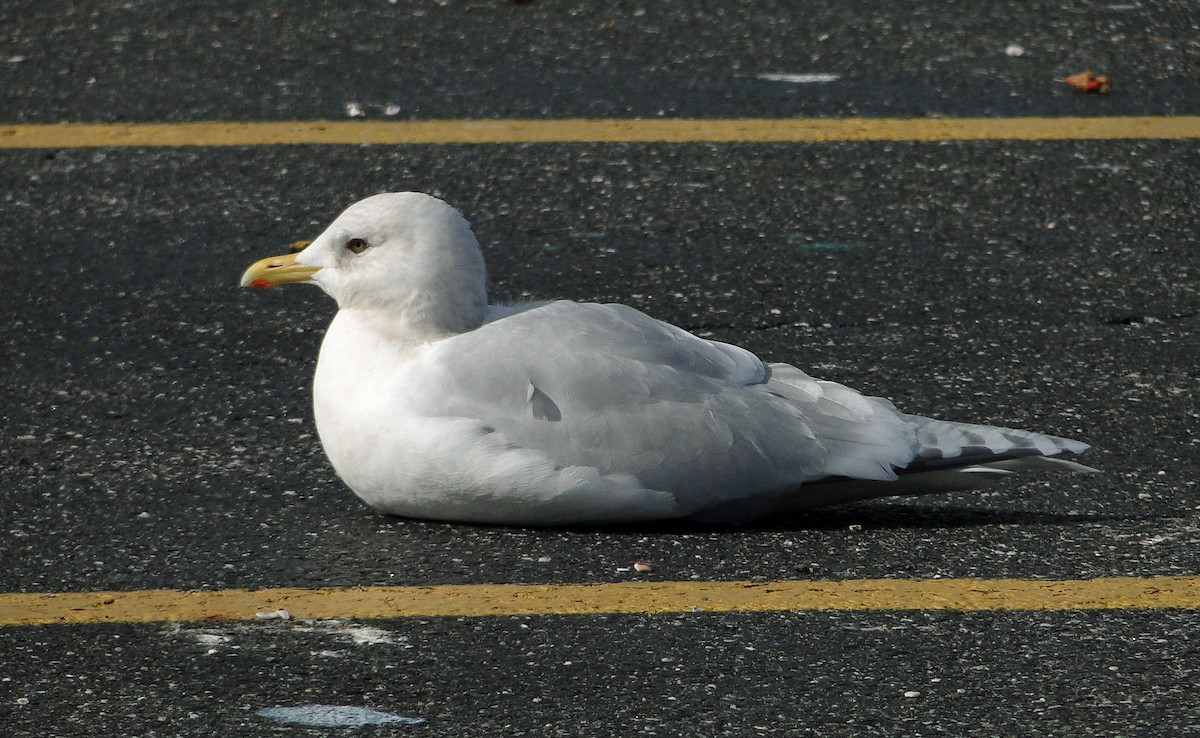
[357,245]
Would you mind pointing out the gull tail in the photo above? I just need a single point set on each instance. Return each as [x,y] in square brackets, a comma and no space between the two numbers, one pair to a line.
[951,457]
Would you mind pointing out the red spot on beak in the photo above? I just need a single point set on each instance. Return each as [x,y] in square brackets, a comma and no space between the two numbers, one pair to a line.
[260,283]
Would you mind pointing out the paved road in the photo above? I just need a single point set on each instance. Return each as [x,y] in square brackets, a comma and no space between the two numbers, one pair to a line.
[156,429]
[109,60]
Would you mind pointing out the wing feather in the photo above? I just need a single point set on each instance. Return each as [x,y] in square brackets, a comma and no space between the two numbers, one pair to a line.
[607,387]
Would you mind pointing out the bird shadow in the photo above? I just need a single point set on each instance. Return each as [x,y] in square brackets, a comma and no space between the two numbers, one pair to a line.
[875,515]
[891,516]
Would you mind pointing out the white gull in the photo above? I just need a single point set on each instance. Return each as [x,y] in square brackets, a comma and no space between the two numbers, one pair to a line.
[430,403]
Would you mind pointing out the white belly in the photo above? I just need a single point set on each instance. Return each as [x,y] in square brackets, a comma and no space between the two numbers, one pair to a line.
[380,428]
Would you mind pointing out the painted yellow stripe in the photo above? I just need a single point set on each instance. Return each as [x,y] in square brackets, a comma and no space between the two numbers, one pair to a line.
[674,130]
[475,600]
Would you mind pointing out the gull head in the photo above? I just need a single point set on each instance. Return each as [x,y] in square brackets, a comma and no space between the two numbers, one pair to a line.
[406,255]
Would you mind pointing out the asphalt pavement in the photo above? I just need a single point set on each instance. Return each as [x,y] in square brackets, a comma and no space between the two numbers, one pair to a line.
[156,429]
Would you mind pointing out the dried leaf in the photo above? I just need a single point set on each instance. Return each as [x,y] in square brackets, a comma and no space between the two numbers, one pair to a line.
[1088,82]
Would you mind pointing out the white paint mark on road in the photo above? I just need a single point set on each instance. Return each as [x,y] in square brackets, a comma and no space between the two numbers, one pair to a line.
[210,637]
[334,716]
[800,79]
[365,635]
[359,634]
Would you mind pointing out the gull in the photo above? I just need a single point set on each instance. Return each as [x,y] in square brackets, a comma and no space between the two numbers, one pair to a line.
[431,403]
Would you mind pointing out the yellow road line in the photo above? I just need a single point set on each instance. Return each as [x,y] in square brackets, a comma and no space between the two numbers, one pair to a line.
[476,600]
[673,130]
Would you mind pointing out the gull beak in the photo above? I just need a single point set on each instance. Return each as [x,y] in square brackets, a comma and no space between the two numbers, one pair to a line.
[275,270]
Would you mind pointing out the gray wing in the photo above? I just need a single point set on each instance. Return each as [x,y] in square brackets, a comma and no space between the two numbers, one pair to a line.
[608,387]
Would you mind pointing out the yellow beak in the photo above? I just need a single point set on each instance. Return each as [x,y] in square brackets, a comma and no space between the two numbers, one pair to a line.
[275,270]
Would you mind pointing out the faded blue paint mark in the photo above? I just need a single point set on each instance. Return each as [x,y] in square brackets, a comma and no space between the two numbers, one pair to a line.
[334,716]
[801,241]
[800,79]
[832,246]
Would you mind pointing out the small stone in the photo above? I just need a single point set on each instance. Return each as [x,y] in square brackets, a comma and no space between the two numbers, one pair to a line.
[643,566]
[1014,50]
[912,693]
